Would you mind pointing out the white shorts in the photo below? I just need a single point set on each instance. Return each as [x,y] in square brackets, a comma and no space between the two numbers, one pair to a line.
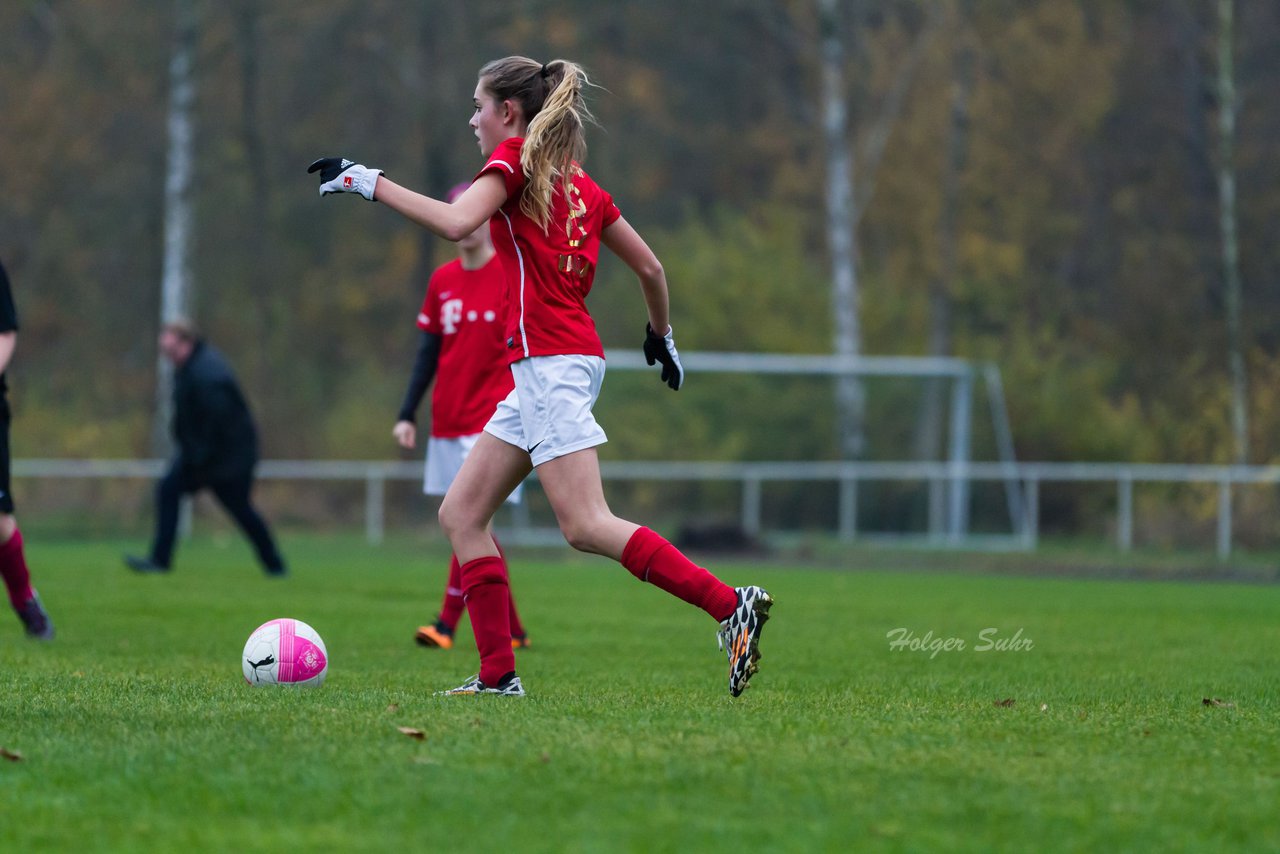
[444,459]
[548,413]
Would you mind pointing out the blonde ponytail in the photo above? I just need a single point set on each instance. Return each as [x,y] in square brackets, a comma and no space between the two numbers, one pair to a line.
[556,140]
[553,100]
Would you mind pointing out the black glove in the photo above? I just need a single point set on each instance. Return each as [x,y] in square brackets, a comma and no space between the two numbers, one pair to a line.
[662,348]
[339,175]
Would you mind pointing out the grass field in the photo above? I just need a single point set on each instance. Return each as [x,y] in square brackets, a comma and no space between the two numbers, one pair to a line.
[137,732]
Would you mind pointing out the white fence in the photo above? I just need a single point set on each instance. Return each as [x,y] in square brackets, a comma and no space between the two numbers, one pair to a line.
[752,476]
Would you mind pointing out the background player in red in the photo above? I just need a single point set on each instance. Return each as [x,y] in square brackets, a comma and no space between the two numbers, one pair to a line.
[548,219]
[462,349]
[13,561]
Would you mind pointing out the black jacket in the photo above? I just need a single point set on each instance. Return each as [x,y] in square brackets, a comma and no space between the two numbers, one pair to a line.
[8,323]
[211,421]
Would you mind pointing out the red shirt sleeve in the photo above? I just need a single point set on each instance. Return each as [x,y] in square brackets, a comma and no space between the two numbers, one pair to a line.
[611,212]
[505,161]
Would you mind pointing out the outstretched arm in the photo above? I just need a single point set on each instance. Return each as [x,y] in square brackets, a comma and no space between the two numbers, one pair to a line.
[451,221]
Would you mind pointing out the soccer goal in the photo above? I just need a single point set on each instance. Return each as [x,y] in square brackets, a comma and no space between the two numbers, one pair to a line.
[949,480]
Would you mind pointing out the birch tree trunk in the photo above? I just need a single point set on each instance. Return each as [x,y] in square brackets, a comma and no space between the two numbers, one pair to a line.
[841,238]
[175,288]
[1227,109]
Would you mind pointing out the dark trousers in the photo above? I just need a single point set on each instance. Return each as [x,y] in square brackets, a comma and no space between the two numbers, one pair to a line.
[233,494]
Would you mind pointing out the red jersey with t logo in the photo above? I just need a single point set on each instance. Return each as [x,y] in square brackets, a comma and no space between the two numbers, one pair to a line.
[465,308]
[549,274]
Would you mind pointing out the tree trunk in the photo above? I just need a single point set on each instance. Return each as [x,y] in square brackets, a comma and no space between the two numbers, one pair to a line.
[255,223]
[175,288]
[1227,108]
[439,83]
[942,284]
[841,239]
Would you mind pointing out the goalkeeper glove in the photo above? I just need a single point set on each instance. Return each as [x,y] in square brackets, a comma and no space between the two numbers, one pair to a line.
[339,175]
[662,348]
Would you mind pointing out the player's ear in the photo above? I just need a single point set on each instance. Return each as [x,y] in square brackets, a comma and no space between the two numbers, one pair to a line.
[510,112]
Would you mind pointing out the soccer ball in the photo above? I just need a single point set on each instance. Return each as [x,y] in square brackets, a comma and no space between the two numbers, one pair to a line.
[285,652]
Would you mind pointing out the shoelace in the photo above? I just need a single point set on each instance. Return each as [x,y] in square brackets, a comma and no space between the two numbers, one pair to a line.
[724,637]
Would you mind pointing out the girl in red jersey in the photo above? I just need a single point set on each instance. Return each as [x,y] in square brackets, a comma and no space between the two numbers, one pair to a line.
[548,220]
[461,349]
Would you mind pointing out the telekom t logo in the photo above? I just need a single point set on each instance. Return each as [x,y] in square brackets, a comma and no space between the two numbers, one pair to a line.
[451,315]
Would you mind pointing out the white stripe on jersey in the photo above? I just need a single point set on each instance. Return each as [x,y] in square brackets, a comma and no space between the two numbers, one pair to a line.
[524,340]
[504,164]
[423,319]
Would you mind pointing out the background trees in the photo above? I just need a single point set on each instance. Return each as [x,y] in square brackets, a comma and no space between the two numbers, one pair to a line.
[1046,198]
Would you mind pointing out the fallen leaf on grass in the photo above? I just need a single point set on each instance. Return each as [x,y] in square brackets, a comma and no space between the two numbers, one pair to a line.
[413,733]
[394,707]
[11,755]
[1214,701]
[1006,702]
[546,758]
[1044,707]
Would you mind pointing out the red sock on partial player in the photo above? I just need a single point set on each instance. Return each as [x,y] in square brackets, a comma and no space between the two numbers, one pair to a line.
[451,607]
[489,607]
[517,628]
[650,557]
[13,567]
[513,620]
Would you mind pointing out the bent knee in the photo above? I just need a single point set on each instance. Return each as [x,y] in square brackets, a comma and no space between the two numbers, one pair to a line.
[455,516]
[577,538]
[585,534]
[451,518]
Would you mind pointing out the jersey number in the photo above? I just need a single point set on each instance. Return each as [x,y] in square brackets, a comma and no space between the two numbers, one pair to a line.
[578,265]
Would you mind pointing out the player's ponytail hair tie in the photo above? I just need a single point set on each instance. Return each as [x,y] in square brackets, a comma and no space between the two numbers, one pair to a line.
[545,72]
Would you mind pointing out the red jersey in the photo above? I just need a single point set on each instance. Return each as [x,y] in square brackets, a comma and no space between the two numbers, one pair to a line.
[465,308]
[549,275]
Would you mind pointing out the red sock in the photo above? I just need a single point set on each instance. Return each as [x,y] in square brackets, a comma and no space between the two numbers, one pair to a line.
[513,619]
[13,566]
[651,558]
[451,607]
[489,606]
[517,628]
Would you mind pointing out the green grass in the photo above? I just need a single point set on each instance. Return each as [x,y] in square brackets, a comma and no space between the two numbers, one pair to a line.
[138,733]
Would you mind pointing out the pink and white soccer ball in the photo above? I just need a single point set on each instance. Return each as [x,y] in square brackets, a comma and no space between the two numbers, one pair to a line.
[285,652]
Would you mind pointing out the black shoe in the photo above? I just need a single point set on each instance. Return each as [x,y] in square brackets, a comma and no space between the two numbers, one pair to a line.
[36,619]
[276,571]
[143,564]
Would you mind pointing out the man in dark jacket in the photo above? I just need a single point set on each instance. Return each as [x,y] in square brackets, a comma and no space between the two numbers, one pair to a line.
[217,448]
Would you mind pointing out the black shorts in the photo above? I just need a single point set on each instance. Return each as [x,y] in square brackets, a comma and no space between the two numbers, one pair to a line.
[6,497]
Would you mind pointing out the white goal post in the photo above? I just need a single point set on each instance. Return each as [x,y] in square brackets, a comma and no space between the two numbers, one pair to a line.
[960,373]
